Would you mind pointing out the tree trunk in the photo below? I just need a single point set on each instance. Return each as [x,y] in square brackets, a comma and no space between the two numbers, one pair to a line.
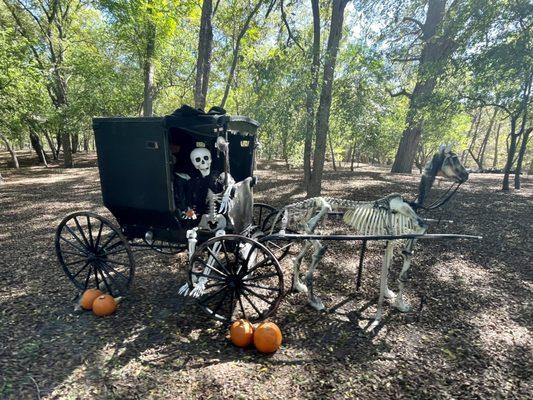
[475,123]
[203,62]
[324,106]
[520,160]
[11,152]
[483,148]
[236,49]
[510,155]
[55,153]
[311,93]
[435,52]
[75,139]
[496,143]
[38,147]
[149,73]
[332,153]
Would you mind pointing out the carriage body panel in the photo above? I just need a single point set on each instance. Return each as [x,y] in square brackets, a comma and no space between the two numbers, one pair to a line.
[137,168]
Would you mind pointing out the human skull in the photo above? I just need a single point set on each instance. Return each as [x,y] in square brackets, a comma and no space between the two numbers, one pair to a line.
[201,159]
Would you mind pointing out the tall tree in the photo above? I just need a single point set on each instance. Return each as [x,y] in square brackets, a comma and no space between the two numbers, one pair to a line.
[46,26]
[203,61]
[236,48]
[324,106]
[310,100]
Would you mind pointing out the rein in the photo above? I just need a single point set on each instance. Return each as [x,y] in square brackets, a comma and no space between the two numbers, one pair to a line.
[442,200]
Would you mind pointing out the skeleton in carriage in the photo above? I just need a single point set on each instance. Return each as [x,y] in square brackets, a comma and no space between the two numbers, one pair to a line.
[388,216]
[220,201]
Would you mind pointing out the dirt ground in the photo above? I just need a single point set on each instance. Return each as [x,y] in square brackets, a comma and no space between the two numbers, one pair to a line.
[469,335]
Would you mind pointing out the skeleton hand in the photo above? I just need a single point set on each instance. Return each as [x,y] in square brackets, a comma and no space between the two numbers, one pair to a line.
[226,204]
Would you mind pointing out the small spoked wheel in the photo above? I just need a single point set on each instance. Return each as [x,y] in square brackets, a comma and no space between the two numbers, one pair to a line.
[280,248]
[260,212]
[165,247]
[94,253]
[236,277]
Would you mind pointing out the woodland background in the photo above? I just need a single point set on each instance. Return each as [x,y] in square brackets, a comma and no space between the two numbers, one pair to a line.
[343,81]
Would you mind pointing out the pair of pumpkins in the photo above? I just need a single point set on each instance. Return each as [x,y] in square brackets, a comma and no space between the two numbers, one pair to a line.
[266,337]
[101,304]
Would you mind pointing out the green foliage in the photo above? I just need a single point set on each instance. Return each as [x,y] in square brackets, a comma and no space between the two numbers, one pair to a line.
[107,42]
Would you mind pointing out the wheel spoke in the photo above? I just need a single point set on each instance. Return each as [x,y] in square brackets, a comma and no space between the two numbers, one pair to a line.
[267,261]
[80,230]
[107,260]
[242,307]
[87,278]
[217,260]
[75,236]
[259,313]
[114,245]
[259,277]
[77,253]
[221,302]
[260,296]
[113,235]
[211,295]
[110,291]
[80,249]
[75,262]
[89,227]
[82,268]
[231,305]
[210,267]
[272,289]
[108,268]
[98,236]
[96,277]
[215,277]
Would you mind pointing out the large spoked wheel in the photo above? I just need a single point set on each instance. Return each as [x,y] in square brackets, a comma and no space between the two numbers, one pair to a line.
[94,253]
[236,277]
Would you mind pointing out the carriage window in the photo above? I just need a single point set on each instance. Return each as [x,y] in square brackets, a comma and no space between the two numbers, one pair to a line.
[245,143]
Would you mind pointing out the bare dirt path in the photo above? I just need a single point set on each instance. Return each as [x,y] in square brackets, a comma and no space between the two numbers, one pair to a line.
[469,336]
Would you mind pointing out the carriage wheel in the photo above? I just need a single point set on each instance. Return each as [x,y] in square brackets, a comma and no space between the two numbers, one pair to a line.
[165,247]
[280,248]
[240,278]
[260,212]
[94,253]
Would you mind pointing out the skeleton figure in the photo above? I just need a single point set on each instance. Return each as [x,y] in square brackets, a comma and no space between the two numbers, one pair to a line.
[201,159]
[391,215]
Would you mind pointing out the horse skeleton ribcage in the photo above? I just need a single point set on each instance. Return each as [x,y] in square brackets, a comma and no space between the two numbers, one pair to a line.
[390,215]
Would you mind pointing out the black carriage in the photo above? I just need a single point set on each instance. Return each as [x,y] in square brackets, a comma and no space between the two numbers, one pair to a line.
[152,187]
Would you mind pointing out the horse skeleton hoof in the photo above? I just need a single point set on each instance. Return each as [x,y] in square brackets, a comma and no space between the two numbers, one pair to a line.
[316,303]
[389,294]
[299,287]
[402,306]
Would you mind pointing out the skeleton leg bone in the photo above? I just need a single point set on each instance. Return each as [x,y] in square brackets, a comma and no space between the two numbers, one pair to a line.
[191,238]
[297,284]
[313,300]
[387,258]
[407,254]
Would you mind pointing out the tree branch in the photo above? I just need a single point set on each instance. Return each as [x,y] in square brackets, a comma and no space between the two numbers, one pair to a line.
[414,20]
[286,23]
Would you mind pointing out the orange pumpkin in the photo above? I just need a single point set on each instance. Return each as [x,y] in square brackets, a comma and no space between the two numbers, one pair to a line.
[241,333]
[86,301]
[267,337]
[104,305]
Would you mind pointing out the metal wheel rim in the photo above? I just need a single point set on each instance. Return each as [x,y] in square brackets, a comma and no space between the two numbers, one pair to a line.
[103,259]
[236,290]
